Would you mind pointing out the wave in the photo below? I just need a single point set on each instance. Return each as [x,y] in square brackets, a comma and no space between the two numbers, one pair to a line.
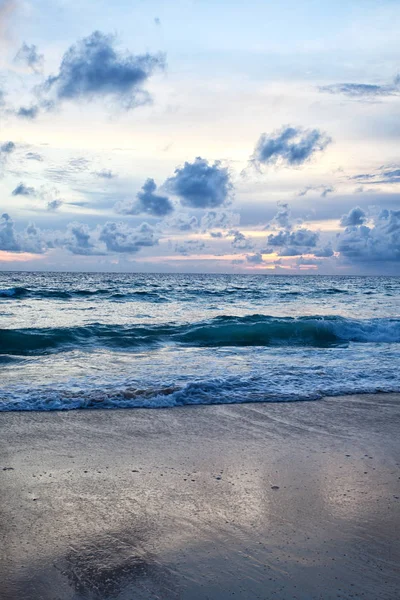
[164,293]
[15,293]
[230,390]
[253,330]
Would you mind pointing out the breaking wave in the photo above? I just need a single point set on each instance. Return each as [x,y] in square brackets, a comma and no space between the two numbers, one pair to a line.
[230,390]
[254,330]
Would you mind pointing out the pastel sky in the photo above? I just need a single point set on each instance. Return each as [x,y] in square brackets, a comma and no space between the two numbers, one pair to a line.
[200,136]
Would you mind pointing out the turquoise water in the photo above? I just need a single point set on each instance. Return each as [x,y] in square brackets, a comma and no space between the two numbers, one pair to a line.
[125,340]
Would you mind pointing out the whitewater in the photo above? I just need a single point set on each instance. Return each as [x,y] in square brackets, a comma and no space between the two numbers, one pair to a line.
[79,340]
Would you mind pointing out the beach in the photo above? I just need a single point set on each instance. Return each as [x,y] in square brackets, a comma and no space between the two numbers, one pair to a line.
[266,500]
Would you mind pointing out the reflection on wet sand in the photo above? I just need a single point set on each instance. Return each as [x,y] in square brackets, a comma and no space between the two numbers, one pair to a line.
[286,501]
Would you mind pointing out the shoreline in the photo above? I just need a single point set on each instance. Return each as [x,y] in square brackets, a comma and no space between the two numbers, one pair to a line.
[263,500]
[99,407]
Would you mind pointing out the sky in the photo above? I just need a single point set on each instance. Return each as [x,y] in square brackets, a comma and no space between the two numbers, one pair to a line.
[200,136]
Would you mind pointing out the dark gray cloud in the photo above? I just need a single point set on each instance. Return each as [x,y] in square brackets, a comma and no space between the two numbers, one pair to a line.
[148,202]
[364,91]
[120,238]
[376,244]
[200,184]
[23,190]
[290,146]
[94,68]
[356,216]
[30,56]
[28,112]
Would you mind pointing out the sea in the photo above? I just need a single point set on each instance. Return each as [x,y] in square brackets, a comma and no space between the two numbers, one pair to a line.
[89,340]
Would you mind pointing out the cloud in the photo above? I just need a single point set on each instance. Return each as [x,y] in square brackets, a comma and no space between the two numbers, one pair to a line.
[8,240]
[118,237]
[362,91]
[200,184]
[293,243]
[93,68]
[255,259]
[282,218]
[289,146]
[27,241]
[182,222]
[28,112]
[77,238]
[74,166]
[384,175]
[79,241]
[23,190]
[356,216]
[324,189]
[213,219]
[30,56]
[54,204]
[34,156]
[304,261]
[299,237]
[189,247]
[105,174]
[7,147]
[240,241]
[7,8]
[148,202]
[78,164]
[379,243]
[324,252]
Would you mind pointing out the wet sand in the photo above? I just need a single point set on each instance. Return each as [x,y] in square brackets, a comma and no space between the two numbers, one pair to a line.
[247,501]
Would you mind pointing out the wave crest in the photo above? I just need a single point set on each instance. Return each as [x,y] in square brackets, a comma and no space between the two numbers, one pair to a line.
[254,330]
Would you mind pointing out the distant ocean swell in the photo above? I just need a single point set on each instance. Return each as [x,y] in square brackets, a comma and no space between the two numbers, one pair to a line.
[254,330]
[17,293]
[159,294]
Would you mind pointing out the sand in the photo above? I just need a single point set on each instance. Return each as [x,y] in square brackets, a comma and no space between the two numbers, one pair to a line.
[247,501]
